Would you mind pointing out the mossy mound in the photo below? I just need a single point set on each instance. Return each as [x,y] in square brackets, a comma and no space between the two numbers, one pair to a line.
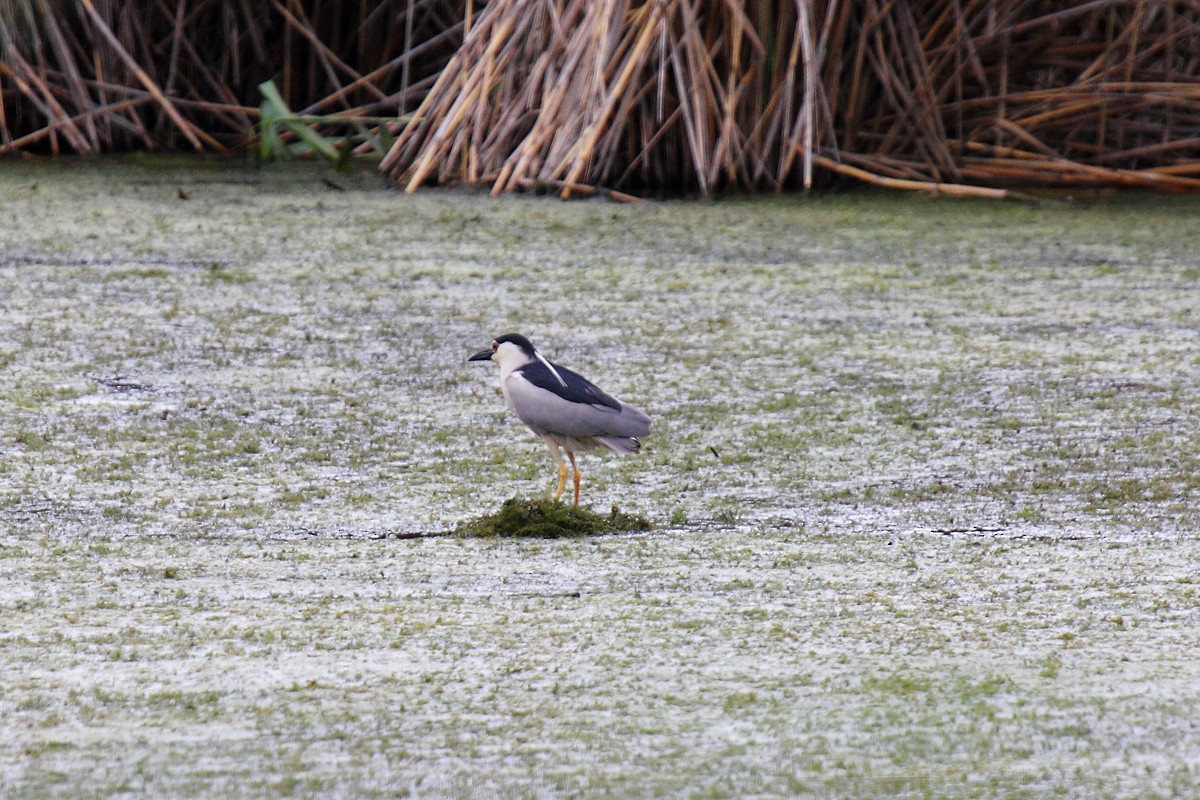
[549,519]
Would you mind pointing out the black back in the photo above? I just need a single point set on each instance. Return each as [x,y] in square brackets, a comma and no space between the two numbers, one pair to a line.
[578,389]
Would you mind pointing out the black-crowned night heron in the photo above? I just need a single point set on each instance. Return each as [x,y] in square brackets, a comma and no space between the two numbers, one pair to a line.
[564,408]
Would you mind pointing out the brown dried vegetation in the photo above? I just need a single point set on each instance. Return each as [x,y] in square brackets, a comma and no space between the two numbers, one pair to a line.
[662,96]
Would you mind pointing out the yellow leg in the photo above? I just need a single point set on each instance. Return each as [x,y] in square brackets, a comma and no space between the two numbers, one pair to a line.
[556,454]
[578,477]
[562,481]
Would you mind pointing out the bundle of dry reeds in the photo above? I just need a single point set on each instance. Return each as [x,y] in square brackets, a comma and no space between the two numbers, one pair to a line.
[102,75]
[689,95]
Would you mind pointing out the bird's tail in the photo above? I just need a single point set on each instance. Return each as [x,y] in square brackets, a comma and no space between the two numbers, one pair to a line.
[620,444]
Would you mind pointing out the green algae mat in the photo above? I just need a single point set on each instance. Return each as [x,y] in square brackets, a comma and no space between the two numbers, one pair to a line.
[550,519]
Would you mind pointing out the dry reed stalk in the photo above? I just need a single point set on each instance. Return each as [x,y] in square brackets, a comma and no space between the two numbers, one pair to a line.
[582,189]
[190,131]
[329,60]
[949,189]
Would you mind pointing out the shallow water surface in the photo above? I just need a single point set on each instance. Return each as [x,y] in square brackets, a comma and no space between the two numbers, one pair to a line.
[924,476]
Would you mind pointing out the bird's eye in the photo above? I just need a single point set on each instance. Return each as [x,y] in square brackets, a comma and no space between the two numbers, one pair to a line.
[494,345]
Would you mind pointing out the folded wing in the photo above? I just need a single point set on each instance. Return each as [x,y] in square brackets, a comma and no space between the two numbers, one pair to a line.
[563,402]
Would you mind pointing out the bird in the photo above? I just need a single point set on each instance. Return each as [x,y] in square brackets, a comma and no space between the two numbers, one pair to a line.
[569,412]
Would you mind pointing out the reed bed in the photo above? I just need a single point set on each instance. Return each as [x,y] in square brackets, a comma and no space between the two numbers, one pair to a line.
[692,96]
[93,76]
[663,96]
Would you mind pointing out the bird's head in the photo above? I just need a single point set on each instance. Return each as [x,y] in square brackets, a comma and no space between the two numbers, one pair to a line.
[512,350]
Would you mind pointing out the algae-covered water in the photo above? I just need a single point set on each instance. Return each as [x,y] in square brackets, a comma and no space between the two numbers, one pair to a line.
[924,479]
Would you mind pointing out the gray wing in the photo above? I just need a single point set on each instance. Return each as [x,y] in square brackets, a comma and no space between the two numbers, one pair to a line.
[547,412]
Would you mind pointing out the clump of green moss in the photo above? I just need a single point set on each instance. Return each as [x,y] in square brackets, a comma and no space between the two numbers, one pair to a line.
[550,519]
